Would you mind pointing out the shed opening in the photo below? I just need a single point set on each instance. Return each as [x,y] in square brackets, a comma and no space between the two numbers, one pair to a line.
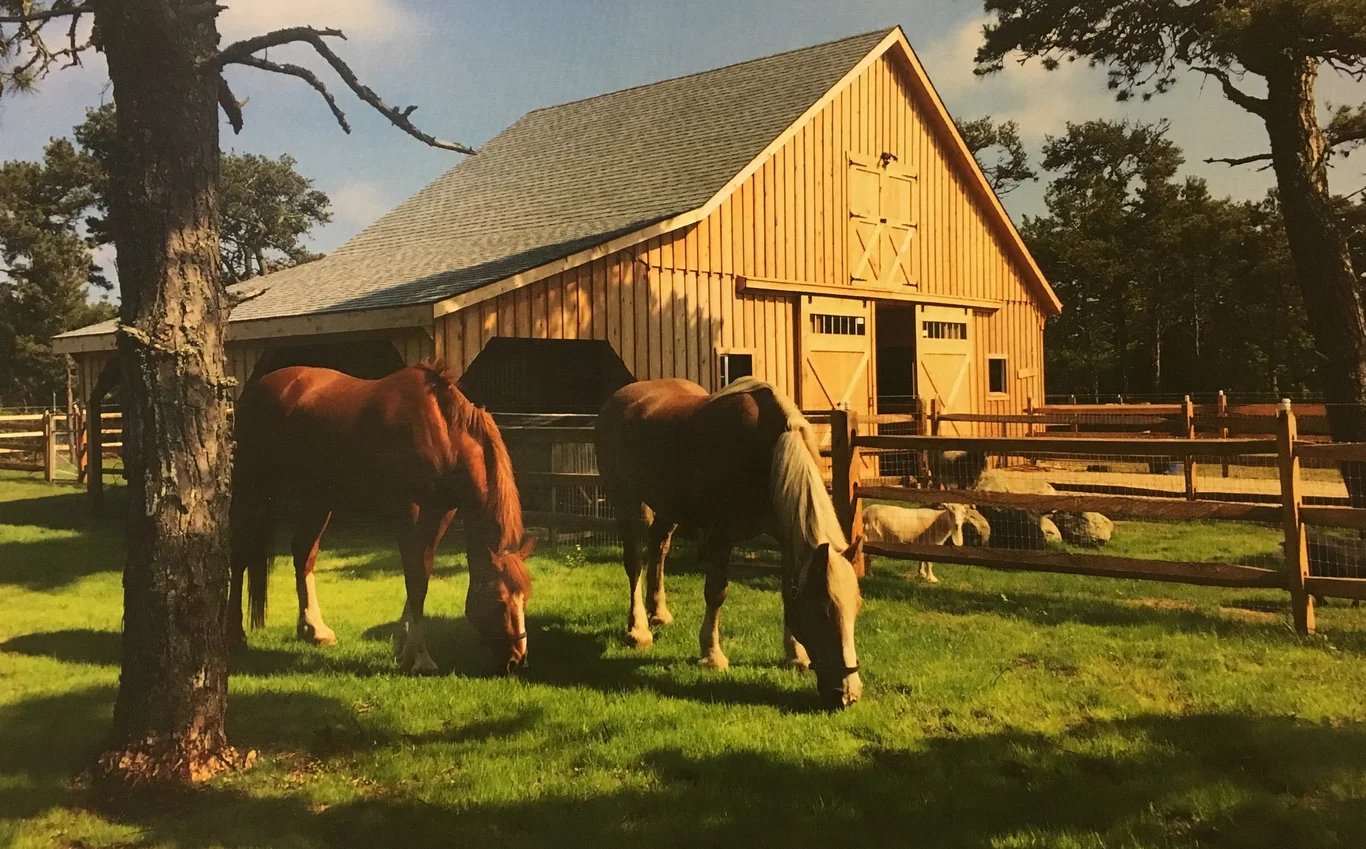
[544,375]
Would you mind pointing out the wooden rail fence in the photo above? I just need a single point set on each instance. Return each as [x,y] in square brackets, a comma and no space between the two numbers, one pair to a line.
[34,442]
[1287,450]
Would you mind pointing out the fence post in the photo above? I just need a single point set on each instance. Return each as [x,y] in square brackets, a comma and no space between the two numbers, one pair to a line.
[1029,411]
[49,447]
[922,428]
[1188,413]
[94,457]
[1296,547]
[1223,424]
[552,532]
[844,473]
[934,417]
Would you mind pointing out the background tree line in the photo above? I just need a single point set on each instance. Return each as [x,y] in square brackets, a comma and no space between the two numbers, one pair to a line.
[1166,288]
[54,215]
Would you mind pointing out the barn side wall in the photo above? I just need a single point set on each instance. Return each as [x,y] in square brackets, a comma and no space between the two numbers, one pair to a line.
[667,306]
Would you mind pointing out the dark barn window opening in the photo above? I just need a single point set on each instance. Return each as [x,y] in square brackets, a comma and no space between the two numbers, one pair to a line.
[370,359]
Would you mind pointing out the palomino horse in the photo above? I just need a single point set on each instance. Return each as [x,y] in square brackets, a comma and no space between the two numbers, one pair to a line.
[929,525]
[732,465]
[409,440]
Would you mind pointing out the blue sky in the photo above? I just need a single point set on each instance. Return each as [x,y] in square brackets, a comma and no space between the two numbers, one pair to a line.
[474,67]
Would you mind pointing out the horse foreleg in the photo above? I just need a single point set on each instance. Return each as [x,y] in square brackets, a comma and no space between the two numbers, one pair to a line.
[793,650]
[660,535]
[637,623]
[418,550]
[715,557]
[926,572]
[308,534]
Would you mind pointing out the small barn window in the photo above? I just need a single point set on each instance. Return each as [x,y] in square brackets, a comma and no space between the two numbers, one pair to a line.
[996,375]
[838,325]
[733,366]
[946,330]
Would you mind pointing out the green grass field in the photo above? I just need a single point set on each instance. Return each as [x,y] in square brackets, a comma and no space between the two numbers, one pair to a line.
[1001,710]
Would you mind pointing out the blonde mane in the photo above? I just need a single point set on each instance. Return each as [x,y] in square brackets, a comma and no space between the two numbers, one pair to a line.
[806,516]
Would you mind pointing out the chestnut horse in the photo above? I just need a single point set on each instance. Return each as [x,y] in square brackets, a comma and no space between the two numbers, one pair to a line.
[408,441]
[732,465]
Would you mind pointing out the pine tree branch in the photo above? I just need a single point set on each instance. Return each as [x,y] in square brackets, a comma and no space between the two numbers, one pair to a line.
[1255,105]
[304,74]
[232,107]
[1235,161]
[46,14]
[239,53]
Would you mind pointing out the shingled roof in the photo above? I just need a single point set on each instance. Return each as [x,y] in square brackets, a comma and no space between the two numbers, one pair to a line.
[560,180]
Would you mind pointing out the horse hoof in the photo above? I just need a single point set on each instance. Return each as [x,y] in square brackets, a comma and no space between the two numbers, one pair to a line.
[640,638]
[325,638]
[424,665]
[661,618]
[716,661]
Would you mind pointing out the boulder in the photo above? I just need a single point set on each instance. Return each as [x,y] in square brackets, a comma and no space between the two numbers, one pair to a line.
[976,529]
[1087,529]
[1051,534]
[1012,527]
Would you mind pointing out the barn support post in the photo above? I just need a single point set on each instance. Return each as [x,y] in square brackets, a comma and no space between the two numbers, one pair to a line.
[94,464]
[844,474]
[49,446]
[1188,426]
[1296,547]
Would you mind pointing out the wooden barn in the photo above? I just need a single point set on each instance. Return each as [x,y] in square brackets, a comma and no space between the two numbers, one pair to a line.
[813,218]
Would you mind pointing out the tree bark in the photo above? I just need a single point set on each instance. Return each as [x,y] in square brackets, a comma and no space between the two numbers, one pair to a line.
[169,714]
[1323,261]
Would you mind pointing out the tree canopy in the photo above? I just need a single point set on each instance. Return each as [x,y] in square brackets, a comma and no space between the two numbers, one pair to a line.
[999,151]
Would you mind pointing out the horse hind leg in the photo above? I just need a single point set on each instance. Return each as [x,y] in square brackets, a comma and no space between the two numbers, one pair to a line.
[308,534]
[637,623]
[660,537]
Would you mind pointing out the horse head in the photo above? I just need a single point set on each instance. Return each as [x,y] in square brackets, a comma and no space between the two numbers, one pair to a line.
[821,617]
[496,604]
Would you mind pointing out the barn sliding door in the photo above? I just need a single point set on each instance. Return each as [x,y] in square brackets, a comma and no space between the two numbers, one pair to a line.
[836,353]
[944,361]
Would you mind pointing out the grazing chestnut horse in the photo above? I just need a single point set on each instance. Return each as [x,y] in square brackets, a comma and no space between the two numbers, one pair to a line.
[409,441]
[732,465]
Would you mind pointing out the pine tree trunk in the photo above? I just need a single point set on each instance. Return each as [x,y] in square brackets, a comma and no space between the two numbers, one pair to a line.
[1323,262]
[168,718]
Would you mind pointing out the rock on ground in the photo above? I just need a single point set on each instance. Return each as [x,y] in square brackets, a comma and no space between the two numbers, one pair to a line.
[1089,529]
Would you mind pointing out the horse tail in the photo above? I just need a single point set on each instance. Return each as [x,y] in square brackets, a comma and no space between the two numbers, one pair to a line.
[252,521]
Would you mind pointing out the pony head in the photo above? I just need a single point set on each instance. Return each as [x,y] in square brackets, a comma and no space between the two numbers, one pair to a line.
[821,616]
[496,605]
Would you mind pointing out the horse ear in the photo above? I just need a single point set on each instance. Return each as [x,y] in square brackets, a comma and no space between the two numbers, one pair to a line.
[528,546]
[853,552]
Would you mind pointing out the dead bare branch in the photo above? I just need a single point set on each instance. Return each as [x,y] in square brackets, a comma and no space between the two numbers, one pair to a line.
[1239,160]
[232,107]
[239,52]
[304,74]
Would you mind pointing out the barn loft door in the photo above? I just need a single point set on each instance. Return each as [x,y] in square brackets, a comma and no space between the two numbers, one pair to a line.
[836,352]
[944,361]
[881,224]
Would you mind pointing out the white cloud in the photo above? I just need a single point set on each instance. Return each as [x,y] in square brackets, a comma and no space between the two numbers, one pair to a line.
[361,20]
[356,205]
[1040,101]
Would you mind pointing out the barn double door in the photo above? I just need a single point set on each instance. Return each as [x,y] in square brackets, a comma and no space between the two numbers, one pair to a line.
[943,353]
[836,345]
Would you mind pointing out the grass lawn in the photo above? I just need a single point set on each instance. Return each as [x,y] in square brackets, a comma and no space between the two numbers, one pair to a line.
[1000,710]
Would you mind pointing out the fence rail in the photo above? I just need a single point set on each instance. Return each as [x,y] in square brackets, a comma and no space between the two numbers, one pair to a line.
[1288,509]
[25,448]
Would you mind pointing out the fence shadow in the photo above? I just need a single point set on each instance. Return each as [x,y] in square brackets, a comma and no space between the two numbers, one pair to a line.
[54,541]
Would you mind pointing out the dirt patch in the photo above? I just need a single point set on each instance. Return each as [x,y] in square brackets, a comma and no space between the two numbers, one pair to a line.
[1235,614]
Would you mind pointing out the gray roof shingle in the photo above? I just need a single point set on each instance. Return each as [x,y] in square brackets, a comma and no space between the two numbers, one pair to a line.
[562,179]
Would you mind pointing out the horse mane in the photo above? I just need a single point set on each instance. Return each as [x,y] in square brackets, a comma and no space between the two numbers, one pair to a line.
[503,506]
[801,504]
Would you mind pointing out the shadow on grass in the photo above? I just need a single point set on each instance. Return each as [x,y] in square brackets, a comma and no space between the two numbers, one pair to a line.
[1213,780]
[91,546]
